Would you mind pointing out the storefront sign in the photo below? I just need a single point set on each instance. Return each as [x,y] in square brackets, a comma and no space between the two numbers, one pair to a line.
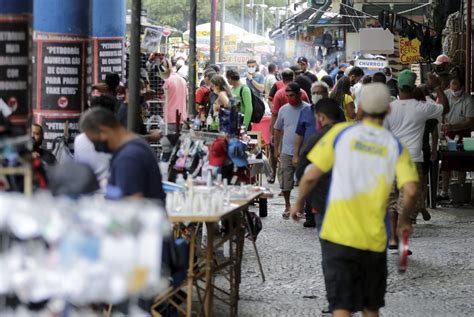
[409,51]
[371,64]
[60,84]
[237,59]
[14,62]
[108,58]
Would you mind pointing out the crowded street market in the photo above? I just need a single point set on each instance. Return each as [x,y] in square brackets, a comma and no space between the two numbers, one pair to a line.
[190,158]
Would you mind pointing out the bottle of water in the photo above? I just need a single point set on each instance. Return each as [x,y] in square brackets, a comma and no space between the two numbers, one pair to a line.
[180,181]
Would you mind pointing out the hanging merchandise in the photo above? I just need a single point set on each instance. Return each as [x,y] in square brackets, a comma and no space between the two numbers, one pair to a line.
[454,38]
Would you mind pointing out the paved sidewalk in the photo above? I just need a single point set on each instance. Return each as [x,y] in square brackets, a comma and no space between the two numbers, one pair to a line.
[439,281]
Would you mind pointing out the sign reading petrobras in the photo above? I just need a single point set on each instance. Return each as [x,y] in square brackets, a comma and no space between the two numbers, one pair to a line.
[371,63]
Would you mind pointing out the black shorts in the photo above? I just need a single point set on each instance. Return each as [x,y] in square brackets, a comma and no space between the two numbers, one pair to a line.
[355,279]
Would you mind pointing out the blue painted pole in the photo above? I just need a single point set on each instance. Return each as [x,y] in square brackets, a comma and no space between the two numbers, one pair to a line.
[61,39]
[108,33]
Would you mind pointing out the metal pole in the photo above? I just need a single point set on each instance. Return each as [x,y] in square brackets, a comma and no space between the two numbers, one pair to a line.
[242,14]
[469,47]
[134,76]
[221,35]
[192,57]
[212,48]
[252,17]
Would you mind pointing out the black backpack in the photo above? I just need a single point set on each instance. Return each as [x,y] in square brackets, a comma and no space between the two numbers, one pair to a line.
[258,107]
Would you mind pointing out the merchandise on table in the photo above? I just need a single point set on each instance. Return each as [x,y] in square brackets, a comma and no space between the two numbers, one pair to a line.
[80,252]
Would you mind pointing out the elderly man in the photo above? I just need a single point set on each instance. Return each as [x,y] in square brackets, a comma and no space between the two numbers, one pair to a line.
[306,126]
[459,121]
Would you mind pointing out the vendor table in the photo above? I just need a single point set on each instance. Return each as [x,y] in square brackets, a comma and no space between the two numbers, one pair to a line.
[202,268]
[462,161]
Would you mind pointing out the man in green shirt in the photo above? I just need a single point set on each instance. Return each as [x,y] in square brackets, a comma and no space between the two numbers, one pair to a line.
[243,94]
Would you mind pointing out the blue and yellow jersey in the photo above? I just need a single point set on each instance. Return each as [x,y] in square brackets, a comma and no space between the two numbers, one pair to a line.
[365,159]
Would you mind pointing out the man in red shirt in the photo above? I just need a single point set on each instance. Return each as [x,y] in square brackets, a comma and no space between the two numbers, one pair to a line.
[280,98]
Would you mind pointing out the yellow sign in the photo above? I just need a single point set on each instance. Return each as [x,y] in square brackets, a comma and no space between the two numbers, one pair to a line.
[230,43]
[290,48]
[175,40]
[409,51]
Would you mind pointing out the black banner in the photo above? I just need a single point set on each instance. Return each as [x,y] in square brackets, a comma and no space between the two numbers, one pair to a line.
[62,76]
[14,66]
[109,58]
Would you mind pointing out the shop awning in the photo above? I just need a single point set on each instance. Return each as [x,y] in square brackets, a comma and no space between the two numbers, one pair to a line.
[310,17]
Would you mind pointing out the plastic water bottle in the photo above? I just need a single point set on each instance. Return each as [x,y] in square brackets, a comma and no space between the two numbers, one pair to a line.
[180,181]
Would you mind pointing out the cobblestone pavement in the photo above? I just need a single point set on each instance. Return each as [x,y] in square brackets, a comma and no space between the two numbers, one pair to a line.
[439,281]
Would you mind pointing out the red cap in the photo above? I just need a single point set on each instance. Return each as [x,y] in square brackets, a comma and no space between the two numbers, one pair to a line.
[218,152]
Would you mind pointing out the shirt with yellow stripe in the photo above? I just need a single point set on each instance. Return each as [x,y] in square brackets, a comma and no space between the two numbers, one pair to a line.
[365,159]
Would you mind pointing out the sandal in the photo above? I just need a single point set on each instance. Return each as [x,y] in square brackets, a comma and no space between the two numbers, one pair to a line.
[271,180]
[286,214]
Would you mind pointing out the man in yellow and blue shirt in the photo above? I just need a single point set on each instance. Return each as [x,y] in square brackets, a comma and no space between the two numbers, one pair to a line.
[365,159]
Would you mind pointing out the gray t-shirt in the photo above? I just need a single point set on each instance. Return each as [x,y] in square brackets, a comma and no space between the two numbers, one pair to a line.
[460,109]
[287,122]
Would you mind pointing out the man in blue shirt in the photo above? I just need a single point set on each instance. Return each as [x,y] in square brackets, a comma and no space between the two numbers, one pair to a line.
[306,126]
[255,80]
[134,171]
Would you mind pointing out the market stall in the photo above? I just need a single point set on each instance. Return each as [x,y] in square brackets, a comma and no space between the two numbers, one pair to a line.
[221,224]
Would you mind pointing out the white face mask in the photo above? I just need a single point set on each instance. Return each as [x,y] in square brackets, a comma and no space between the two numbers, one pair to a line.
[251,70]
[316,98]
[456,93]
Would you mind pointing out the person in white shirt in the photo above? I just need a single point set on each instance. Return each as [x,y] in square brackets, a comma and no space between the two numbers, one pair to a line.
[459,121]
[270,80]
[407,121]
[85,151]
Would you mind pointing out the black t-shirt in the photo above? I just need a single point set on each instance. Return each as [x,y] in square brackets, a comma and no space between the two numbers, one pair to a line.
[393,87]
[122,117]
[311,76]
[46,156]
[320,192]
[134,169]
[305,84]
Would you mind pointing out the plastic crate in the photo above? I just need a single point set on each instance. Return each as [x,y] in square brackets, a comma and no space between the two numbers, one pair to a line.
[468,144]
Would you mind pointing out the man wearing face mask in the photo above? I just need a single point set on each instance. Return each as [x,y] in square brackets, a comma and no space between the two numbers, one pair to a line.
[458,121]
[285,134]
[134,172]
[255,80]
[306,126]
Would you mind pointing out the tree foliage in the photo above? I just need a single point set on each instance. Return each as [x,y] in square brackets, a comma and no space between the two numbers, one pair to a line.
[175,13]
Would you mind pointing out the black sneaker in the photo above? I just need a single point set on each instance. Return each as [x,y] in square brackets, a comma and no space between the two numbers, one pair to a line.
[426,215]
[442,198]
[309,224]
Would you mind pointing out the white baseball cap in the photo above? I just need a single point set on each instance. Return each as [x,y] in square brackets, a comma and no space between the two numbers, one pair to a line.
[375,98]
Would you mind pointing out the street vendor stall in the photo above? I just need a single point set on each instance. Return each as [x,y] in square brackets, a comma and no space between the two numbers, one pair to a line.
[221,222]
